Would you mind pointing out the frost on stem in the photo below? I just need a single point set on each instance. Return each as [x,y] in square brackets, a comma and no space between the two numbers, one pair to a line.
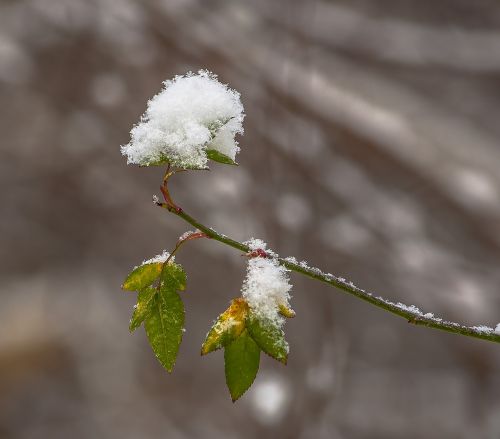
[189,234]
[192,114]
[266,286]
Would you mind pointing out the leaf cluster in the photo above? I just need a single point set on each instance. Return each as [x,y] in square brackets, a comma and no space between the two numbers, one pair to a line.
[238,330]
[243,335]
[159,307]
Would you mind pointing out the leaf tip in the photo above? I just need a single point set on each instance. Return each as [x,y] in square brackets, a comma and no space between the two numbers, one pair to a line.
[286,311]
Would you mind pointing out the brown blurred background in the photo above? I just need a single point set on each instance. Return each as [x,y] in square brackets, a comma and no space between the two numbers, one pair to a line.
[371,150]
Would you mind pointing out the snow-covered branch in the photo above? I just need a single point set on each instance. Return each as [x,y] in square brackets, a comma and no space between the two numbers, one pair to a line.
[409,312]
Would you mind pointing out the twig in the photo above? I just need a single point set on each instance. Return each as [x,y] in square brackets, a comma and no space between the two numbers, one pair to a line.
[411,313]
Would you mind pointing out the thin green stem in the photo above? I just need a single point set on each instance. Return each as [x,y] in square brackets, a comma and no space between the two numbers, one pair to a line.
[410,313]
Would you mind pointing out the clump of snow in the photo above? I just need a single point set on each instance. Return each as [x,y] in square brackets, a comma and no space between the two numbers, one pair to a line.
[497,329]
[266,286]
[193,113]
[162,257]
[304,264]
[255,244]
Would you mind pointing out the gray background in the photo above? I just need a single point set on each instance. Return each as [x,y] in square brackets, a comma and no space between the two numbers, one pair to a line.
[371,150]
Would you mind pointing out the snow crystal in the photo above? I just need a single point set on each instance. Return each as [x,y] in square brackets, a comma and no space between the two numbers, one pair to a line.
[162,257]
[187,234]
[409,308]
[193,113]
[266,286]
[497,329]
[482,328]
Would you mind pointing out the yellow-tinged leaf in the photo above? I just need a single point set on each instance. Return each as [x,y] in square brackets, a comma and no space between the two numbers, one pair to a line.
[229,325]
[142,276]
[286,311]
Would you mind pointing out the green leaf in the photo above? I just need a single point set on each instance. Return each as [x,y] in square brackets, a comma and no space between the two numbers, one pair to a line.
[241,364]
[143,307]
[217,156]
[164,324]
[165,160]
[174,277]
[229,326]
[142,276]
[269,337]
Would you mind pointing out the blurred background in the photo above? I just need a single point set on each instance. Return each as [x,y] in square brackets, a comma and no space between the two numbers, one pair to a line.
[371,150]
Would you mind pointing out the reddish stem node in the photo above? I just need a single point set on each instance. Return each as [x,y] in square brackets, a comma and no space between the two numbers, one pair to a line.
[258,253]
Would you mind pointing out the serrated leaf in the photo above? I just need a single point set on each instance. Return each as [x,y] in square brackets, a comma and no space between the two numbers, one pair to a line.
[241,364]
[142,276]
[229,325]
[164,324]
[174,276]
[143,307]
[269,337]
[217,156]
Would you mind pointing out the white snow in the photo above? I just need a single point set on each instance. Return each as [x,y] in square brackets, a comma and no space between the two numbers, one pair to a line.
[482,328]
[255,244]
[193,113]
[258,244]
[162,257]
[266,286]
[262,271]
[187,234]
[409,308]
